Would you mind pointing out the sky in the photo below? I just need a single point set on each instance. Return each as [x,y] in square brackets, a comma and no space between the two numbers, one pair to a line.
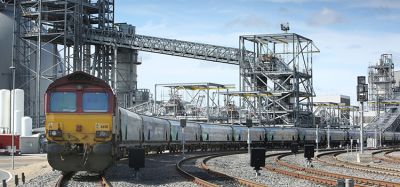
[351,35]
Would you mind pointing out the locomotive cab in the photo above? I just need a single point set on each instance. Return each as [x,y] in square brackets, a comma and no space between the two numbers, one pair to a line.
[79,123]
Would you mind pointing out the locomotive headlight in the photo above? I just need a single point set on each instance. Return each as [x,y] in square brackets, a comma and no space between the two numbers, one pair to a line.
[55,133]
[102,134]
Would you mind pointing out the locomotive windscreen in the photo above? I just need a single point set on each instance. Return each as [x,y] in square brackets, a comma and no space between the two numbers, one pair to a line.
[95,102]
[63,102]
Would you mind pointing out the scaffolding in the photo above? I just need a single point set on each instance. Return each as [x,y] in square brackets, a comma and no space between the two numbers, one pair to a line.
[253,100]
[194,101]
[280,64]
[381,84]
[335,114]
[59,24]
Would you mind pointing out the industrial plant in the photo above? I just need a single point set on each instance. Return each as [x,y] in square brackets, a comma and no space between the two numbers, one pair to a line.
[275,88]
[69,87]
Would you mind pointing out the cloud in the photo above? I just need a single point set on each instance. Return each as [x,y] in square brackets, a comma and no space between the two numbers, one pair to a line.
[389,17]
[248,21]
[378,4]
[326,16]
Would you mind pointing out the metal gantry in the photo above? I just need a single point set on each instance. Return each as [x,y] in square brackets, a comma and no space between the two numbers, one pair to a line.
[194,101]
[335,114]
[280,64]
[58,37]
[49,43]
[381,83]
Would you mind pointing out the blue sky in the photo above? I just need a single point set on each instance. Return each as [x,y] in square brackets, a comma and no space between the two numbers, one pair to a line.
[350,34]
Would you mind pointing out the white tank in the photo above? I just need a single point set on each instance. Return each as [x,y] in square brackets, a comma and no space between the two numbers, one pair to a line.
[26,126]
[5,111]
[19,100]
[17,122]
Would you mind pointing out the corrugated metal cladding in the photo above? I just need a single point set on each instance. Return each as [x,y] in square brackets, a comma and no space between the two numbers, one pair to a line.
[6,30]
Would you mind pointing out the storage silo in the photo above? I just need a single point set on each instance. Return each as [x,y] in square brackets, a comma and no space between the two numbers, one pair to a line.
[17,122]
[19,100]
[26,126]
[17,106]
[5,111]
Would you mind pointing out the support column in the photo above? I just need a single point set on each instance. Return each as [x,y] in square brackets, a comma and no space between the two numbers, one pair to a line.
[361,129]
[38,67]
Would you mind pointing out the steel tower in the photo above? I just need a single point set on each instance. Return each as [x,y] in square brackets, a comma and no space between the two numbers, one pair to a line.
[280,73]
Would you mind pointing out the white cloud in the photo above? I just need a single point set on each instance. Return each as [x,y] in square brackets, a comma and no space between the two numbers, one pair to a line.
[326,16]
[380,4]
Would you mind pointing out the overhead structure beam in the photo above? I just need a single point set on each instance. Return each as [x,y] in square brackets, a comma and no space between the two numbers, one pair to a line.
[165,46]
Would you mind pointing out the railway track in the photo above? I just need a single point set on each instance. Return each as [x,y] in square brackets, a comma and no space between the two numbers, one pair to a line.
[288,171]
[394,159]
[206,177]
[360,167]
[320,176]
[100,180]
[386,157]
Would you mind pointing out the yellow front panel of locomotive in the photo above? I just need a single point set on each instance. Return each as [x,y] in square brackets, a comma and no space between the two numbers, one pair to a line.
[79,128]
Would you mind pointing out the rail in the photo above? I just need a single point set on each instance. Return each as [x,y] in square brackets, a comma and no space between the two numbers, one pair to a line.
[67,176]
[362,167]
[241,181]
[204,166]
[63,178]
[393,158]
[318,180]
[359,180]
[104,181]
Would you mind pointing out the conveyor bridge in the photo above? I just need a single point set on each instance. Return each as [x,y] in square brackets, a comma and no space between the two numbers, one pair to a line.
[165,46]
[388,121]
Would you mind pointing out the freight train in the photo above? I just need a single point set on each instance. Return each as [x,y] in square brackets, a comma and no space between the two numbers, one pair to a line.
[86,131]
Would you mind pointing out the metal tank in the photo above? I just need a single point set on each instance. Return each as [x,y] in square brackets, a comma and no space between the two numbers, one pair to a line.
[5,111]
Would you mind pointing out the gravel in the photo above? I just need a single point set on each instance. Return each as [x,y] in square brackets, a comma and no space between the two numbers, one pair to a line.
[194,168]
[46,179]
[352,157]
[159,171]
[340,170]
[395,154]
[238,166]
